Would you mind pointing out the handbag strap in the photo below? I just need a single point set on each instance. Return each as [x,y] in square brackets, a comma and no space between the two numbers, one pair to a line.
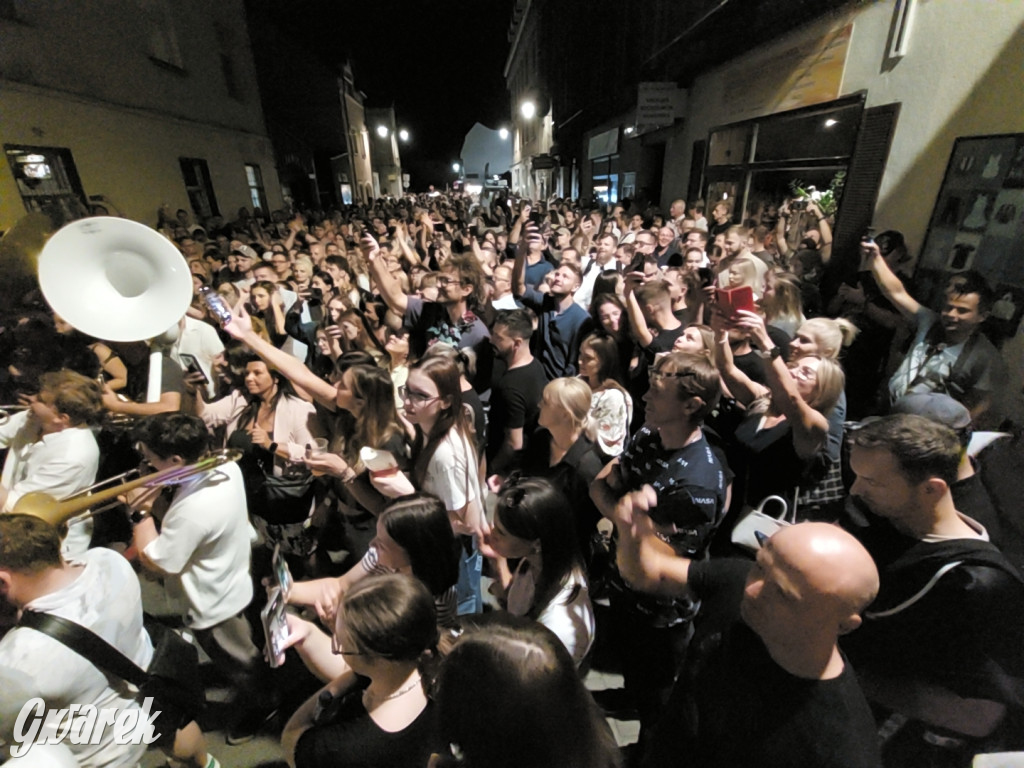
[86,644]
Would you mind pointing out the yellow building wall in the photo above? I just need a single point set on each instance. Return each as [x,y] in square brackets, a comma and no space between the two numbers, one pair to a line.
[130,155]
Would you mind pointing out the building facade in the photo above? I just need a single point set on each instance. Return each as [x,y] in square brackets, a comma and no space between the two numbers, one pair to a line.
[144,102]
[384,157]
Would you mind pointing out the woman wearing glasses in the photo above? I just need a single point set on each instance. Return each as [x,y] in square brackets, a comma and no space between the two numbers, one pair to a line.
[533,524]
[374,709]
[782,442]
[445,463]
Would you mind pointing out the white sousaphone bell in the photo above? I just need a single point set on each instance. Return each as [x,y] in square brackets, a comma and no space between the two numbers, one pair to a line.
[115,279]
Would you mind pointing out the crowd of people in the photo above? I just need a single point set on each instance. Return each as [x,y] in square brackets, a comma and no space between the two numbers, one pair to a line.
[500,441]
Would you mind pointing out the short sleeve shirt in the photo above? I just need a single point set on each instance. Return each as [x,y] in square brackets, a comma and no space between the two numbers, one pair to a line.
[932,367]
[690,483]
[428,323]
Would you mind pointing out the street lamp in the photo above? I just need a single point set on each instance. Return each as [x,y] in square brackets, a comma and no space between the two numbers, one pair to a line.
[455,167]
[403,135]
[528,109]
[382,131]
[503,134]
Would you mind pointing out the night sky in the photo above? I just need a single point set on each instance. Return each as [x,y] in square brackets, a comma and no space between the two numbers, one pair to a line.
[439,61]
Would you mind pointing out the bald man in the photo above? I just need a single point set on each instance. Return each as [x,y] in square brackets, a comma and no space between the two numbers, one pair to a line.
[765,683]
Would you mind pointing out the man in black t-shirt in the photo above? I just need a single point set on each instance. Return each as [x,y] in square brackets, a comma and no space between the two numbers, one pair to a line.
[515,394]
[764,683]
[671,457]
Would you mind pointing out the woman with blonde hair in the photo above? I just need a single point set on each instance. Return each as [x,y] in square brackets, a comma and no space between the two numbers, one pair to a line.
[561,452]
[302,273]
[744,271]
[783,441]
[825,337]
[782,303]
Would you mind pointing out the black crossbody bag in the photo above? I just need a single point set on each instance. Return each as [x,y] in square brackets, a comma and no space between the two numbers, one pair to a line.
[172,679]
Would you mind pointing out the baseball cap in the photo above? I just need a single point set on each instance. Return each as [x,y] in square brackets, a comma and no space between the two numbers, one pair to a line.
[935,406]
[244,250]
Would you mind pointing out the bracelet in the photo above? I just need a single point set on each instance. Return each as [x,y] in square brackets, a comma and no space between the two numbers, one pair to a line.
[822,218]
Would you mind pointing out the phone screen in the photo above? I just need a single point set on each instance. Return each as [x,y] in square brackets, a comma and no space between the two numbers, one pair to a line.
[192,366]
[275,627]
[282,574]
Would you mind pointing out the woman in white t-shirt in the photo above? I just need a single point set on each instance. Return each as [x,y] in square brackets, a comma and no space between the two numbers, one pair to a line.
[445,463]
[533,524]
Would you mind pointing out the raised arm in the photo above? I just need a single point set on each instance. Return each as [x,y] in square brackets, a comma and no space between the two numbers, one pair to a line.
[517,228]
[519,269]
[780,230]
[637,323]
[735,380]
[390,289]
[887,281]
[810,427]
[402,238]
[825,246]
[294,370]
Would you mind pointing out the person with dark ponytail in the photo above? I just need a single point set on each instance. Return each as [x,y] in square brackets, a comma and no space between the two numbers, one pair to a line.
[374,709]
[533,524]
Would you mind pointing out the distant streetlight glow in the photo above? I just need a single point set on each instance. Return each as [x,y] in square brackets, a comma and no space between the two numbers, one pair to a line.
[382,131]
[455,167]
[503,133]
[830,122]
[528,109]
[629,129]
[403,135]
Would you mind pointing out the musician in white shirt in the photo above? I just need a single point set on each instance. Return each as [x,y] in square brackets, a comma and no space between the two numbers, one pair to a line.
[52,446]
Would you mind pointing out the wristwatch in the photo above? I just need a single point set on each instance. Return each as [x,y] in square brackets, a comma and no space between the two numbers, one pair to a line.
[770,354]
[138,516]
[272,448]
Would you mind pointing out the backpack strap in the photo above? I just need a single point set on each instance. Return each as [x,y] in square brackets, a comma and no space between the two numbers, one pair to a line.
[86,644]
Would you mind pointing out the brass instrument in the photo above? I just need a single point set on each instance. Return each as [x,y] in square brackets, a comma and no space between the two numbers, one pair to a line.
[55,512]
[7,410]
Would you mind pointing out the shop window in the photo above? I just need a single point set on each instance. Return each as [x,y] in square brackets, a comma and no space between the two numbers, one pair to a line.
[605,178]
[757,164]
[826,134]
